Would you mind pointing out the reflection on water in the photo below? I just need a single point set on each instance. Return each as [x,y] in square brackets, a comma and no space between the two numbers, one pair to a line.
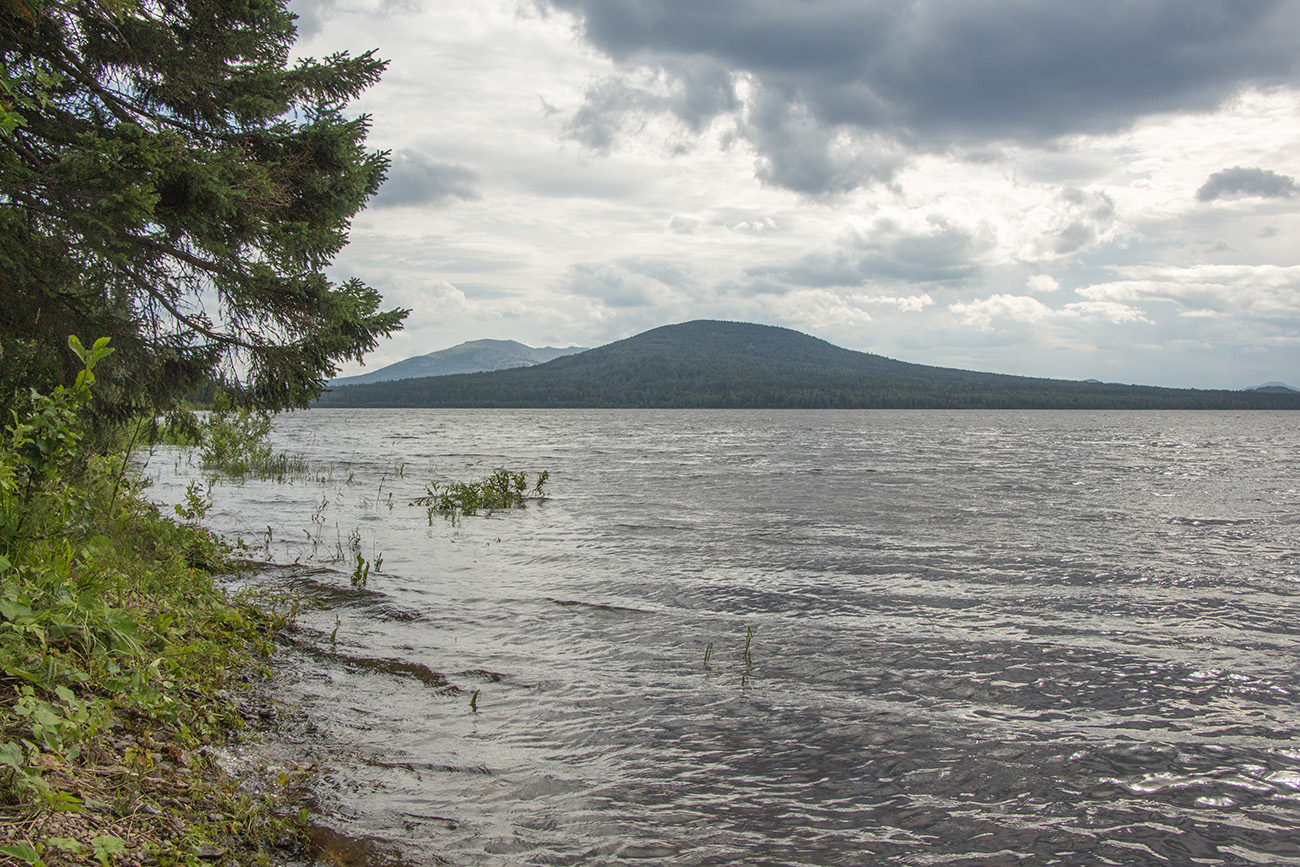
[991,638]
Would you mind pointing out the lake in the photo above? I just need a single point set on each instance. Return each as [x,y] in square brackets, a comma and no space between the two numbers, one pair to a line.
[804,638]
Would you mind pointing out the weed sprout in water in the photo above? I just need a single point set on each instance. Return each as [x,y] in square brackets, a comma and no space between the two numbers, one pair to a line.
[501,490]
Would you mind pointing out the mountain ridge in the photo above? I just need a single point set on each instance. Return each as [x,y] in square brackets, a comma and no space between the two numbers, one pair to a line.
[1274,388]
[709,363]
[472,356]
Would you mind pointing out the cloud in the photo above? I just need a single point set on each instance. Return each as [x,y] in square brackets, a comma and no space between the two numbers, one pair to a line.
[1042,284]
[905,247]
[799,152]
[311,15]
[818,309]
[415,180]
[430,301]
[1108,311]
[693,92]
[1089,215]
[1022,309]
[630,283]
[1237,183]
[1018,308]
[1266,295]
[831,92]
[680,225]
[1074,220]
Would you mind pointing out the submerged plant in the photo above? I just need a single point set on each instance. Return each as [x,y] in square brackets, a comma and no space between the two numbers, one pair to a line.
[501,490]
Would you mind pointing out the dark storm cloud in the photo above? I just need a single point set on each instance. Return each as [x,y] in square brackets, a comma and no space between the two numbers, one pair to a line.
[694,92]
[930,74]
[415,179]
[799,153]
[1236,183]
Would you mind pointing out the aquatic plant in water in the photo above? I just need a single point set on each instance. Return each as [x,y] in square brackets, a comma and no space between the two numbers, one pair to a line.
[234,443]
[501,490]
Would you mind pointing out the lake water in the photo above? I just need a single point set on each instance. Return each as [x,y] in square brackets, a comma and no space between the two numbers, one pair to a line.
[973,638]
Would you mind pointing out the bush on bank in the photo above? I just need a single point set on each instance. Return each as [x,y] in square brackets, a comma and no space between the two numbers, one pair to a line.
[117,649]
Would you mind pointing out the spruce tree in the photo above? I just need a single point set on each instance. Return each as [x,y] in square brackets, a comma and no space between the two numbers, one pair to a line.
[168,179]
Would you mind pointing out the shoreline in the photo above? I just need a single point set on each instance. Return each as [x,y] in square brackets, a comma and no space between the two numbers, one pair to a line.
[126,664]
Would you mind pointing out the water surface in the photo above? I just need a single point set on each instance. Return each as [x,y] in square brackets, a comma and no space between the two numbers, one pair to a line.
[975,638]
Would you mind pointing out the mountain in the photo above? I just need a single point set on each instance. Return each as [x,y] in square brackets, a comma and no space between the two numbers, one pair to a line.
[735,364]
[474,356]
[1275,388]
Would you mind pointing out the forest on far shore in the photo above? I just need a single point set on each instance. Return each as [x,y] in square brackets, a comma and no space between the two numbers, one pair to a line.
[706,364]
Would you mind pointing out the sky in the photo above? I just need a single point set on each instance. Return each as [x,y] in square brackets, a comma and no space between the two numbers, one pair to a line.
[1104,190]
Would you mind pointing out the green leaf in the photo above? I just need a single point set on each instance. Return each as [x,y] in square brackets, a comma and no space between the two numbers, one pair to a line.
[23,852]
[106,845]
[11,756]
[12,610]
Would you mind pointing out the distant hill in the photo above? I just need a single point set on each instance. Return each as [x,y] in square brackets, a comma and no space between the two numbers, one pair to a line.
[741,365]
[1275,388]
[474,356]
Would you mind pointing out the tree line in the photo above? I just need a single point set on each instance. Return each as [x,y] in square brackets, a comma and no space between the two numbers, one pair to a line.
[743,365]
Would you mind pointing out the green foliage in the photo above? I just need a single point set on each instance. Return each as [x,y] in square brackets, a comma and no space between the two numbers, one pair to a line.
[501,490]
[41,445]
[24,852]
[179,427]
[172,179]
[234,443]
[360,572]
[197,503]
[106,846]
[109,614]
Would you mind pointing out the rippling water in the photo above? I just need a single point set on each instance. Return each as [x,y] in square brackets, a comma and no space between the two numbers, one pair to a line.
[977,638]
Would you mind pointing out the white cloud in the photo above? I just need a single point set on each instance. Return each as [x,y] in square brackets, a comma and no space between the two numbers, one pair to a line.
[1109,311]
[1014,308]
[1266,292]
[1022,309]
[1042,284]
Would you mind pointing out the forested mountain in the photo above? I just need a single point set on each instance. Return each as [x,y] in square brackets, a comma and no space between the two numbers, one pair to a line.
[741,365]
[474,356]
